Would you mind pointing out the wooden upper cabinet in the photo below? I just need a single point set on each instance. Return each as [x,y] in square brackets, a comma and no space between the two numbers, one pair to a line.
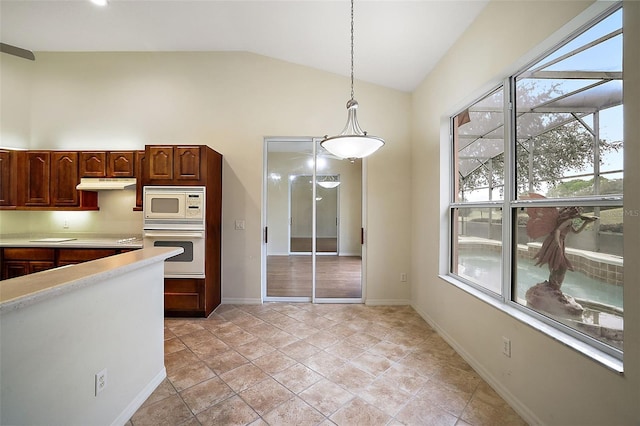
[100,164]
[174,165]
[43,180]
[93,164]
[8,175]
[37,173]
[141,166]
[64,179]
[160,162]
[186,162]
[120,164]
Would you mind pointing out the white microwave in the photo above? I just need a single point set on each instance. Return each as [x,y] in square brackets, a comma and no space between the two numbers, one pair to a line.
[168,205]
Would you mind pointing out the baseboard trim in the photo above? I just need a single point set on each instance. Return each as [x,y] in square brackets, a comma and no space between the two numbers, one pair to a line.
[137,402]
[241,301]
[387,302]
[522,410]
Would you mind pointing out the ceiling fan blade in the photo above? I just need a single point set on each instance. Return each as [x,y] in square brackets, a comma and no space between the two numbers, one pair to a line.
[17,51]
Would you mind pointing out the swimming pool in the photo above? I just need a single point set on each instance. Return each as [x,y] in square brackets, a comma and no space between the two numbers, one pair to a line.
[483,266]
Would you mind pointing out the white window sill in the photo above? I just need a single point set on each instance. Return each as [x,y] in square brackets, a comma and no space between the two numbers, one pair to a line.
[595,354]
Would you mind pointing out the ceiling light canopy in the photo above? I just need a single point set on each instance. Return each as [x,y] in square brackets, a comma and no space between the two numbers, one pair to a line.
[352,142]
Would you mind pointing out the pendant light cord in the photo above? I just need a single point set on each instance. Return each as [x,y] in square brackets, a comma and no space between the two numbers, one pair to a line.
[352,50]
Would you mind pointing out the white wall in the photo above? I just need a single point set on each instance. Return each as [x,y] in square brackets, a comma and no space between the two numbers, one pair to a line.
[229,101]
[50,352]
[15,101]
[115,217]
[547,382]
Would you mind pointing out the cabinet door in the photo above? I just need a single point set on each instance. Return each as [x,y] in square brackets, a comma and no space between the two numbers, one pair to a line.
[68,256]
[141,165]
[186,162]
[93,164]
[183,296]
[38,266]
[37,178]
[18,261]
[8,182]
[120,164]
[14,268]
[160,162]
[64,179]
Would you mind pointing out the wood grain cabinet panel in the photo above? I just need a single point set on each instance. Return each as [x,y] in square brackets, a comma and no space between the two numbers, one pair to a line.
[140,169]
[36,166]
[93,164]
[38,266]
[184,296]
[160,162]
[70,256]
[22,261]
[120,164]
[186,162]
[18,261]
[64,179]
[8,175]
[14,268]
[174,165]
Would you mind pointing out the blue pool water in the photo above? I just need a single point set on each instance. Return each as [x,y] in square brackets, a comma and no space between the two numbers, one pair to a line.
[484,267]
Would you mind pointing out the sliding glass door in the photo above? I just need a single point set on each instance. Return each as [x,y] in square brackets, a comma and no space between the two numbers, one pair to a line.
[313,217]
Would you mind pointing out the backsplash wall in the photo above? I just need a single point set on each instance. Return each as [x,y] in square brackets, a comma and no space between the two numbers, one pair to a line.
[115,217]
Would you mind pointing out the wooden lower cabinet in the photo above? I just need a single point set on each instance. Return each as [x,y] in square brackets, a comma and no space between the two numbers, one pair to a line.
[69,256]
[184,297]
[19,261]
[22,261]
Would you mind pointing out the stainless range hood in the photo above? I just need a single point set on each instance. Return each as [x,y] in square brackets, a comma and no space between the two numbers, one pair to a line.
[104,184]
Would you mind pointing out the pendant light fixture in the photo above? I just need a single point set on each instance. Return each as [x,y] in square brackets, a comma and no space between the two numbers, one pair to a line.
[328,182]
[352,142]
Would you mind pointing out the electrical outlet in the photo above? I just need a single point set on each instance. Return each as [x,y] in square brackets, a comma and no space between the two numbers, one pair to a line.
[403,277]
[506,347]
[239,225]
[65,225]
[101,381]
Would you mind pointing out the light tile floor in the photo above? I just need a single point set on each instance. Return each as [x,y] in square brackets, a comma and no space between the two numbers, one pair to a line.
[305,364]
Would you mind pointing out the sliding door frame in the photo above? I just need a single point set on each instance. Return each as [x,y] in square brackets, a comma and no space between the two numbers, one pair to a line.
[313,298]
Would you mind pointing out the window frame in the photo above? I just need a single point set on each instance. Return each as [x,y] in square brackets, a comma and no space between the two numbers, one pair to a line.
[509,205]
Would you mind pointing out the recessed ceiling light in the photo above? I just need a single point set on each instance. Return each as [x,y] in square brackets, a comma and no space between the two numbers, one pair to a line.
[99,2]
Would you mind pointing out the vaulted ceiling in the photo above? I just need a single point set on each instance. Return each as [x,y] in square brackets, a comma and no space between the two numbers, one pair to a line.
[397,42]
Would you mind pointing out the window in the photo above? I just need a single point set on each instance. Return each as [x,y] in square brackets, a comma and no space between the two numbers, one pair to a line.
[478,140]
[547,239]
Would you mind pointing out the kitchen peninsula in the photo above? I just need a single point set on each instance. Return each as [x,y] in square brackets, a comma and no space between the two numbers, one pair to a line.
[62,328]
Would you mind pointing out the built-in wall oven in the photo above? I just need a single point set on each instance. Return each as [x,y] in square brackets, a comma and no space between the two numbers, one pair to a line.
[174,216]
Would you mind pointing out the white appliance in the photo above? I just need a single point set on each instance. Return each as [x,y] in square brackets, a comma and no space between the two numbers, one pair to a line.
[174,216]
[102,184]
[190,263]
[181,207]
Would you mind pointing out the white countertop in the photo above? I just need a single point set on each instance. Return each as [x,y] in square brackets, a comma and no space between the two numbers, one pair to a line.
[19,292]
[71,240]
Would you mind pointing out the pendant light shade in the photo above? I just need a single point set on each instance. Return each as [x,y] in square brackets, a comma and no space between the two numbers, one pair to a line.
[329,182]
[352,142]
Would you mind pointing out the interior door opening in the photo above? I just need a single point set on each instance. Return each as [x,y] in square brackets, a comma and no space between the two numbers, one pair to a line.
[327,213]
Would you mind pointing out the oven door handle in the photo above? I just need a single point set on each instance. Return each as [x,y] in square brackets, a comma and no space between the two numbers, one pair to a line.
[173,234]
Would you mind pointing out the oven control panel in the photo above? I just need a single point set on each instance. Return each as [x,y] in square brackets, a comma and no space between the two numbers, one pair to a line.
[194,203]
